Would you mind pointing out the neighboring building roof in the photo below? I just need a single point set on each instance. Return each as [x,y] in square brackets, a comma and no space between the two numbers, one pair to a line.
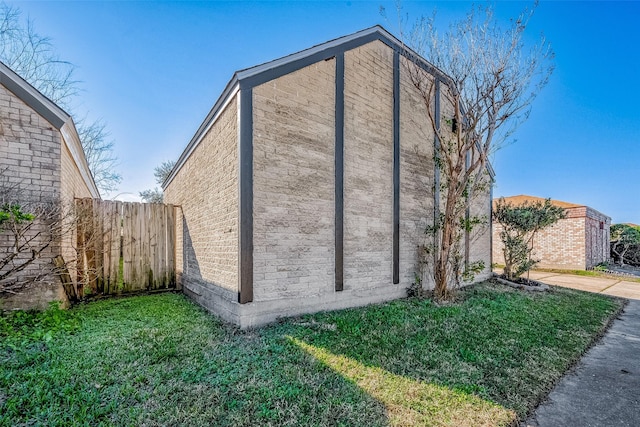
[523,198]
[254,76]
[630,224]
[52,113]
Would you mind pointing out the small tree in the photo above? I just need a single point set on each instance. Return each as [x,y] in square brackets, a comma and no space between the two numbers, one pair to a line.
[490,80]
[520,224]
[161,173]
[624,239]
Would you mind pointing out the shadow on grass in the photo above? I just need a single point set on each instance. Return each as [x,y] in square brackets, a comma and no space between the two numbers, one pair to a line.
[503,346]
[409,402]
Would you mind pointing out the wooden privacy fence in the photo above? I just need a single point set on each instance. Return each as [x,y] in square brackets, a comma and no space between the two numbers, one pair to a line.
[124,247]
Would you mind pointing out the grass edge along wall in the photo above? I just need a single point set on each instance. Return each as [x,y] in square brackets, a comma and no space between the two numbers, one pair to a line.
[309,184]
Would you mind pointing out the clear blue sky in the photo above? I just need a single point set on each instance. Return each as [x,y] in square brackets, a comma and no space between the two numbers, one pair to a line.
[153,70]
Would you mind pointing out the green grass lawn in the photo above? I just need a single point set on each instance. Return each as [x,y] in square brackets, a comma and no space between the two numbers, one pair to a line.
[160,360]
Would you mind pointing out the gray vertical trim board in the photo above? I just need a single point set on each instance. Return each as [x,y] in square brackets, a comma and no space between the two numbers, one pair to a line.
[245,294]
[467,216]
[436,148]
[339,173]
[491,226]
[396,167]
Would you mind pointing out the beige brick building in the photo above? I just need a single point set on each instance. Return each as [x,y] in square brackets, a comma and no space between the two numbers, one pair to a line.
[578,242]
[310,183]
[41,158]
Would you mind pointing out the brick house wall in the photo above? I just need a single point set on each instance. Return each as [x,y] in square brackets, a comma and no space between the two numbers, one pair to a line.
[480,239]
[578,242]
[416,179]
[40,153]
[293,250]
[206,191]
[368,166]
[598,237]
[29,158]
[293,184]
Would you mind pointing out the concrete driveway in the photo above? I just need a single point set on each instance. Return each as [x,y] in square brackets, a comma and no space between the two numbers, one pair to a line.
[603,285]
[603,390]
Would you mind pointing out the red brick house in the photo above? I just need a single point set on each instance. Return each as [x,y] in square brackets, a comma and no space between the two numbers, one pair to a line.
[578,242]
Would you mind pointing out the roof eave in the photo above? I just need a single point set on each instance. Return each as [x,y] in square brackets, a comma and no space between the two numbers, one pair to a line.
[32,97]
[250,77]
[229,91]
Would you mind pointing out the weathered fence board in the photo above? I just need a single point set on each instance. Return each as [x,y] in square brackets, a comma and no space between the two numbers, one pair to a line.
[124,247]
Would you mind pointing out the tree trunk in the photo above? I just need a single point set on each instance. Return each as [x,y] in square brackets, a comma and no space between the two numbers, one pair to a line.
[441,275]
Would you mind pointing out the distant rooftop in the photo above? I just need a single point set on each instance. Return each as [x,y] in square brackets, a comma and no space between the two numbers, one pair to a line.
[522,199]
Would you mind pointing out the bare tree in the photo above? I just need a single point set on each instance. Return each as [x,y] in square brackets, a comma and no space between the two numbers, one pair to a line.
[31,225]
[489,83]
[34,58]
[43,238]
[161,173]
[98,150]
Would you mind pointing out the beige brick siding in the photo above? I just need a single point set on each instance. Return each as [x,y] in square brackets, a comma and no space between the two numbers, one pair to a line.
[480,236]
[293,178]
[71,183]
[206,188]
[30,148]
[416,176]
[574,243]
[294,191]
[30,158]
[72,186]
[368,166]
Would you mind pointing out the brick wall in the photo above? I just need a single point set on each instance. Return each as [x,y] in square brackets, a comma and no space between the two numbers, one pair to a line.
[294,183]
[560,246]
[597,227]
[480,236]
[206,189]
[30,156]
[578,242]
[294,208]
[416,177]
[368,167]
[294,191]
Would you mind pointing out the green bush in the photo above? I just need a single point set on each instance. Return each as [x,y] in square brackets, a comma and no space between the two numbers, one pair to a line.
[519,227]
